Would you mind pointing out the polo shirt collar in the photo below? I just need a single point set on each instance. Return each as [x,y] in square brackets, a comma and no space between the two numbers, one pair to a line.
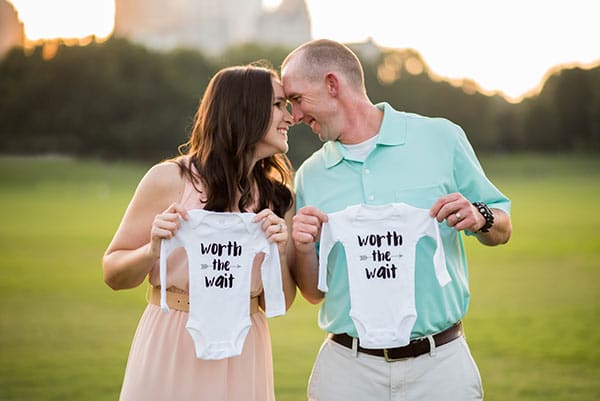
[393,127]
[391,133]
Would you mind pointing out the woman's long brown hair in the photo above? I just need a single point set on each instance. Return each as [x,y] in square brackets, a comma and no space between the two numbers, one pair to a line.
[233,116]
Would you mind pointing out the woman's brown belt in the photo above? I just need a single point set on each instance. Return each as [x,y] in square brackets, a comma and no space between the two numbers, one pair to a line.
[181,302]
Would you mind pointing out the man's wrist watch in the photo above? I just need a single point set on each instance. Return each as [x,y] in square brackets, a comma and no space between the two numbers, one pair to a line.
[487,214]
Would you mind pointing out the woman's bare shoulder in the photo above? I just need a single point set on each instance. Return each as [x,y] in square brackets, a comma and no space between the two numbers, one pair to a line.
[162,179]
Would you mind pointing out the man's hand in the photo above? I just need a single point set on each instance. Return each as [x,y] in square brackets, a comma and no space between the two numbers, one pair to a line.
[306,228]
[458,213]
[462,215]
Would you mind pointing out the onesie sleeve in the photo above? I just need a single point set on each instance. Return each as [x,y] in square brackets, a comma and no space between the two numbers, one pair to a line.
[166,247]
[439,257]
[272,282]
[326,243]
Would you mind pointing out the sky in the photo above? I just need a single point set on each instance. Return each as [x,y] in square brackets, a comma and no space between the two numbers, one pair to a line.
[503,45]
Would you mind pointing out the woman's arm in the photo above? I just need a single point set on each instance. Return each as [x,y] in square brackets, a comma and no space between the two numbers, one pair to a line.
[152,214]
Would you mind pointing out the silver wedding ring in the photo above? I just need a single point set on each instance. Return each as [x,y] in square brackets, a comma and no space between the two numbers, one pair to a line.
[280,228]
[458,216]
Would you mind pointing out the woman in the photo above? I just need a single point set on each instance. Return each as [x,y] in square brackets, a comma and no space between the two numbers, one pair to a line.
[233,162]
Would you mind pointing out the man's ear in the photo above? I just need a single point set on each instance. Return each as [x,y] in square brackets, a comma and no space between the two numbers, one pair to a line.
[333,85]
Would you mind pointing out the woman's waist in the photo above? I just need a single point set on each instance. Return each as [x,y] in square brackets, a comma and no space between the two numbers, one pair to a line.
[178,299]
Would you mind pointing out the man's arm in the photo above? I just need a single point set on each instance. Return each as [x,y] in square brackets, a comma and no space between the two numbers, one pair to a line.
[499,233]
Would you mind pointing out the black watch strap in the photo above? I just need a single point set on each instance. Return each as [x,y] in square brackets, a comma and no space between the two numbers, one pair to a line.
[487,214]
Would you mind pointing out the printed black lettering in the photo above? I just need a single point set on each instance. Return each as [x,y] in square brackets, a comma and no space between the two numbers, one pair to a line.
[362,241]
[379,256]
[230,249]
[382,272]
[219,265]
[221,281]
[391,238]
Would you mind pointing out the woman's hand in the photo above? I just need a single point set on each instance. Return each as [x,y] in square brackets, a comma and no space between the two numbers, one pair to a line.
[165,226]
[274,227]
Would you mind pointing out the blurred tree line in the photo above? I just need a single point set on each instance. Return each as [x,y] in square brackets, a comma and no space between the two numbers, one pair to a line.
[121,100]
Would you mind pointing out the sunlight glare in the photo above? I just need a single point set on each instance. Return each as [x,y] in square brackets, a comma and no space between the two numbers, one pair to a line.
[506,46]
[271,4]
[65,18]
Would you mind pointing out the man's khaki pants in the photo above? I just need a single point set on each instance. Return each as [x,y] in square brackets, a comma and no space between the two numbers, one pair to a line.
[446,373]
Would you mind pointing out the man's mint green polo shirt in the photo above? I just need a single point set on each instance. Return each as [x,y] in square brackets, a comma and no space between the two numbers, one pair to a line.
[416,160]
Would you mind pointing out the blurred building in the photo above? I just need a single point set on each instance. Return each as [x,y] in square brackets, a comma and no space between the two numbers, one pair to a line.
[211,25]
[12,32]
[368,50]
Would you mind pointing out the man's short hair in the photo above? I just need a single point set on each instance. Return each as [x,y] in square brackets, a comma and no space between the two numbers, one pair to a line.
[321,55]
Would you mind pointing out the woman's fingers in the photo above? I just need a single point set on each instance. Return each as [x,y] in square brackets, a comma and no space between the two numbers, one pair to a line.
[273,226]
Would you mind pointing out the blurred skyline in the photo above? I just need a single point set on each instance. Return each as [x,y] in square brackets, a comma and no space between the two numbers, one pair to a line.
[504,46]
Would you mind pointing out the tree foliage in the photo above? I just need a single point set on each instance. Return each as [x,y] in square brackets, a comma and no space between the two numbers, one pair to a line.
[121,100]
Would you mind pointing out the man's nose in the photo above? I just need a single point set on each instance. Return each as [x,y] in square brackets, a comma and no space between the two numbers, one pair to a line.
[297,114]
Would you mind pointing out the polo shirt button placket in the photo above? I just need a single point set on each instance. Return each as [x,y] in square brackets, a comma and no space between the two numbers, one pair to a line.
[366,172]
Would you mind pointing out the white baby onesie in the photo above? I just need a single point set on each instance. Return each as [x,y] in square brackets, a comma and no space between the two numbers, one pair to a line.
[221,248]
[380,245]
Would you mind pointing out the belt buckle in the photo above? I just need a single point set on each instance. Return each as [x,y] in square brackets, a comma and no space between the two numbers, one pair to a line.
[387,358]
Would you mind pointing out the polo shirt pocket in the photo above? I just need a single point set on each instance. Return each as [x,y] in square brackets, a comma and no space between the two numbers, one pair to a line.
[422,197]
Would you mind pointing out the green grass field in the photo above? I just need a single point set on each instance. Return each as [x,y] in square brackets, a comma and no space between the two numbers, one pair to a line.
[533,324]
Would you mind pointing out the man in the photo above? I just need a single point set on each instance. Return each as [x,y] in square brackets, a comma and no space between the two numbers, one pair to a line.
[378,157]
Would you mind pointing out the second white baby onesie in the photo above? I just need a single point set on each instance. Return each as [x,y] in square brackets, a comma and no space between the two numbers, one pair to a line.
[221,248]
[380,245]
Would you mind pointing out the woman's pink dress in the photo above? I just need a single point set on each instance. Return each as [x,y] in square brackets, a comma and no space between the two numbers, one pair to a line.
[162,363]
